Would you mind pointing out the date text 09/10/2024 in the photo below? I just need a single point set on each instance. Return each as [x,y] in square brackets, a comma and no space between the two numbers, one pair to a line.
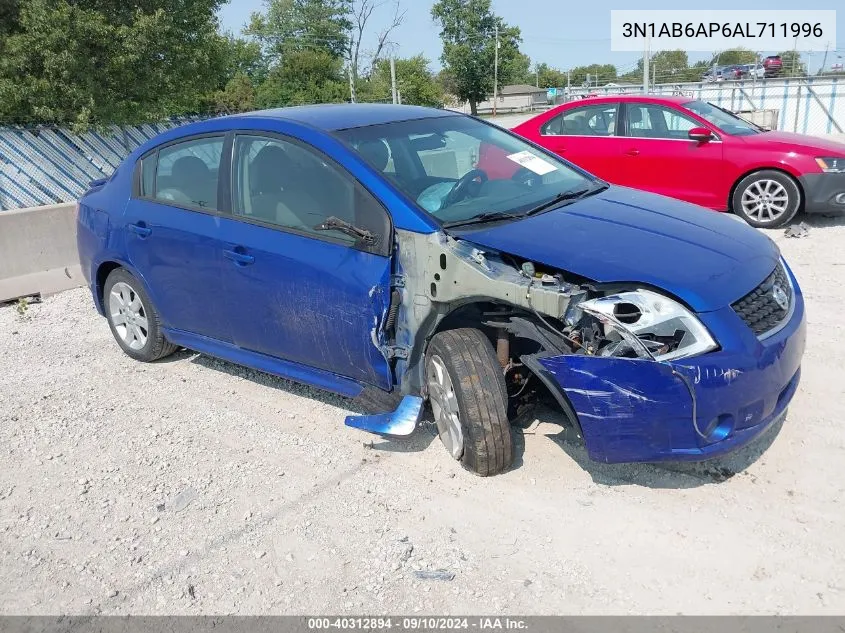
[417,623]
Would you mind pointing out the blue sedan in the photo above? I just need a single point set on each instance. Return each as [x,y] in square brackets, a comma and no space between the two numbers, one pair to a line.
[398,255]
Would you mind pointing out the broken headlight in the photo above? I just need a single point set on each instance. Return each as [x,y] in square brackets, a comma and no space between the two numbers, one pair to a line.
[648,324]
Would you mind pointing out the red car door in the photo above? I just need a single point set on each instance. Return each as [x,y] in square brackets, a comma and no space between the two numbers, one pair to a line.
[585,135]
[659,156]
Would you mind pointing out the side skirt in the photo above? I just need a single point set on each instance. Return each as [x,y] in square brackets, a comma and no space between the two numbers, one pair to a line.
[276,366]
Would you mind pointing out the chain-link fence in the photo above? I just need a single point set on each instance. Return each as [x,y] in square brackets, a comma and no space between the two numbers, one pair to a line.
[807,105]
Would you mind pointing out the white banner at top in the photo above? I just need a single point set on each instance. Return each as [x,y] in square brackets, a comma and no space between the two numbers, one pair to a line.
[716,30]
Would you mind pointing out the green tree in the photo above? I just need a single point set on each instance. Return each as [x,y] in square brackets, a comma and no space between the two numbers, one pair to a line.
[599,74]
[417,85]
[732,56]
[313,76]
[288,26]
[792,64]
[467,30]
[108,61]
[549,77]
[237,96]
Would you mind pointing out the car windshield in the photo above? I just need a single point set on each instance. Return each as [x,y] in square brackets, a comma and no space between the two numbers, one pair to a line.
[461,170]
[722,119]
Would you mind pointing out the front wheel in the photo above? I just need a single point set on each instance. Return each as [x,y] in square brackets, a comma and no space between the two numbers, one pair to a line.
[766,199]
[466,388]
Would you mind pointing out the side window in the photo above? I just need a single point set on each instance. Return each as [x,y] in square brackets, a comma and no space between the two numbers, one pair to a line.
[186,173]
[596,120]
[291,186]
[650,121]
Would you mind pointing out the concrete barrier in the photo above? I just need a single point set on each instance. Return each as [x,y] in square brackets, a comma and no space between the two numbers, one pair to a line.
[38,251]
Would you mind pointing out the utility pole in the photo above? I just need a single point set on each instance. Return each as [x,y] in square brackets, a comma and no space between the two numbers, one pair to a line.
[646,55]
[653,76]
[794,56]
[824,60]
[496,71]
[351,86]
[393,91]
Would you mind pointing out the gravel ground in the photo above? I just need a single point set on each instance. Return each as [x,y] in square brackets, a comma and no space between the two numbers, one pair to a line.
[195,486]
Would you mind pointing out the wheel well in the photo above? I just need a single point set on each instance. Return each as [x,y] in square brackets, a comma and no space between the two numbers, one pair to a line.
[473,315]
[103,272]
[754,171]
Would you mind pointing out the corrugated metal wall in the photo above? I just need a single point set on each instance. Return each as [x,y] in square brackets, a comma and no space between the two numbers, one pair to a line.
[47,165]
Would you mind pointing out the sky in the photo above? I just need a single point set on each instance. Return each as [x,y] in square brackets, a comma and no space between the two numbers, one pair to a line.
[561,33]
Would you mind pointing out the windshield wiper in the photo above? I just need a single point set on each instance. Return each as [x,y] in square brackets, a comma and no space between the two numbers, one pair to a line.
[336,224]
[563,196]
[489,216]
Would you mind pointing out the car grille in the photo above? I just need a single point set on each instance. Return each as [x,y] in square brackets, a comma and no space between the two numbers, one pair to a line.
[760,308]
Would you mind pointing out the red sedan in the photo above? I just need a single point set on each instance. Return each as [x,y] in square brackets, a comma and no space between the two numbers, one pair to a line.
[697,152]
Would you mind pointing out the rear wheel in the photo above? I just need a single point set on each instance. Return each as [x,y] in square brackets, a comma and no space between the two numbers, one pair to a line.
[132,318]
[766,199]
[466,388]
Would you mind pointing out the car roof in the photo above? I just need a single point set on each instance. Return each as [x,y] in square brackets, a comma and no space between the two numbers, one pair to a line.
[632,99]
[341,116]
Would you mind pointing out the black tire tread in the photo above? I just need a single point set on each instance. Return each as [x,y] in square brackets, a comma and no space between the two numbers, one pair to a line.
[161,347]
[482,399]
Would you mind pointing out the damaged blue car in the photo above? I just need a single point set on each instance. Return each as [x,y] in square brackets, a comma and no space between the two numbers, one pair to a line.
[401,255]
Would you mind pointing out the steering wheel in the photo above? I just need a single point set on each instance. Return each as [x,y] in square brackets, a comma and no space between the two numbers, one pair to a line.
[467,185]
[525,176]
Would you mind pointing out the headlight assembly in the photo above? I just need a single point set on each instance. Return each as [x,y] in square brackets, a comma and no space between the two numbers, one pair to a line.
[653,325]
[831,165]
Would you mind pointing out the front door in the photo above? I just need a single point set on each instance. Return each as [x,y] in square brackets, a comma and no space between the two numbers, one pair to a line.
[293,289]
[660,157]
[172,230]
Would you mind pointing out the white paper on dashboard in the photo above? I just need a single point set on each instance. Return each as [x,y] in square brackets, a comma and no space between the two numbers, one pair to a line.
[534,163]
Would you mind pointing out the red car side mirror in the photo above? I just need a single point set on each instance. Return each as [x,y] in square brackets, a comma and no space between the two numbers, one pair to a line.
[700,134]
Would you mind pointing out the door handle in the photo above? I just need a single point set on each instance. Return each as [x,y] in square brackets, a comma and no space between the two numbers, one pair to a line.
[140,229]
[239,257]
[633,152]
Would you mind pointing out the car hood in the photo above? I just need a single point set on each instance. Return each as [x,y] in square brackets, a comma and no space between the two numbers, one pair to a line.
[805,142]
[705,258]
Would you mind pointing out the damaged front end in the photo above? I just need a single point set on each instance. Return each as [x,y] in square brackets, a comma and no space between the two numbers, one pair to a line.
[640,375]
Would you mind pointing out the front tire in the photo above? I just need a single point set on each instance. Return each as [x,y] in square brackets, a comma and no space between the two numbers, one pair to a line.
[766,199]
[466,388]
[133,319]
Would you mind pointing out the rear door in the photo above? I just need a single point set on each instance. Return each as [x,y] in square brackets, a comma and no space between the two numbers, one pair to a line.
[292,291]
[172,231]
[587,136]
[659,156]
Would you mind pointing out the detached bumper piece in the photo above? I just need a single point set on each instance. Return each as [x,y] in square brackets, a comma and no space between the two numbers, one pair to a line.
[396,423]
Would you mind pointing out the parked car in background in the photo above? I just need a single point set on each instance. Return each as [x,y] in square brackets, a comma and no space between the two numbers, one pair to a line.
[717,73]
[772,66]
[698,152]
[361,249]
[753,71]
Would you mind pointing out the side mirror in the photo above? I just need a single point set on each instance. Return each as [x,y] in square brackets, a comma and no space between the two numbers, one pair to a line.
[700,134]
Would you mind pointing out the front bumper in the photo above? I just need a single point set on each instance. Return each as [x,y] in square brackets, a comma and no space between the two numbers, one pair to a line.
[824,193]
[634,410]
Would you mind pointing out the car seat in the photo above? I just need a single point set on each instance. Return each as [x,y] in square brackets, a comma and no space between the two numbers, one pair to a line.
[276,190]
[191,176]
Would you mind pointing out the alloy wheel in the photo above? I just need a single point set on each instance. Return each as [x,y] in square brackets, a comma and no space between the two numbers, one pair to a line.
[765,200]
[128,315]
[444,404]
